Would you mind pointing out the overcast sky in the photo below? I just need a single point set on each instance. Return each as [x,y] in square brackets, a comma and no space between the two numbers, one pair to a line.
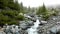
[36,3]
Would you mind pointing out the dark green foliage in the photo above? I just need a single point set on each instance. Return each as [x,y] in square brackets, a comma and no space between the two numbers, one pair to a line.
[20,17]
[3,3]
[9,13]
[46,17]
[21,8]
[14,5]
[10,17]
[46,13]
[43,11]
[9,4]
[39,11]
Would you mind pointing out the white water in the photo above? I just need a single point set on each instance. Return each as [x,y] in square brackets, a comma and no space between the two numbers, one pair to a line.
[33,29]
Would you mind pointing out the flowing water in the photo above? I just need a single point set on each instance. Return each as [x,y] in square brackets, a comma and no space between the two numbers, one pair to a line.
[33,29]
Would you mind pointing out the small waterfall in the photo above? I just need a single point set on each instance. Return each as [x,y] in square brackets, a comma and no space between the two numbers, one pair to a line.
[33,29]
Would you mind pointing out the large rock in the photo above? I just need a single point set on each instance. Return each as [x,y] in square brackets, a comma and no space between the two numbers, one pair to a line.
[24,25]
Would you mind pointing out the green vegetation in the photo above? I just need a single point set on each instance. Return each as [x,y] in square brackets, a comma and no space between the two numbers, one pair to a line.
[9,11]
[44,13]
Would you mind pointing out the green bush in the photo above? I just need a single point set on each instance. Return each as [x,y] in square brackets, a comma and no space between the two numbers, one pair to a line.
[10,17]
[9,13]
[20,17]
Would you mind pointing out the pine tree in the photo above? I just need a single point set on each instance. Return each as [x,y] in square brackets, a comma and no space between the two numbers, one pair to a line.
[10,16]
[41,10]
[3,4]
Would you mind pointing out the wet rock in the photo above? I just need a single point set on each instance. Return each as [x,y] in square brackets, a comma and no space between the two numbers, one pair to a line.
[26,24]
[23,32]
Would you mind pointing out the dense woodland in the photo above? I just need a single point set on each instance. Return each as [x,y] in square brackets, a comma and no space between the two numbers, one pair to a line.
[10,9]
